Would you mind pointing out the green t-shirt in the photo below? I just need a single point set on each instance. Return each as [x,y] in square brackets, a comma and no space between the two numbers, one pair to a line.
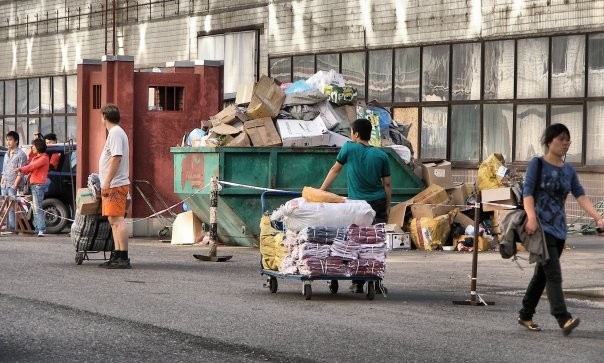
[365,168]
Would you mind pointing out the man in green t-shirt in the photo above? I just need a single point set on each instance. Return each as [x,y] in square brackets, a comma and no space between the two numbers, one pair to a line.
[367,172]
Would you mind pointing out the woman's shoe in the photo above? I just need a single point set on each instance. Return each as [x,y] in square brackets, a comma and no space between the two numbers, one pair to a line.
[569,325]
[529,325]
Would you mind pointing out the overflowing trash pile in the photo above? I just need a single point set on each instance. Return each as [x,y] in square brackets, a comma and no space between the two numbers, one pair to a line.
[307,113]
[322,238]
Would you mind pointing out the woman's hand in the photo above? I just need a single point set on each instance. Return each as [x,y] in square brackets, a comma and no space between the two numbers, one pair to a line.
[531,226]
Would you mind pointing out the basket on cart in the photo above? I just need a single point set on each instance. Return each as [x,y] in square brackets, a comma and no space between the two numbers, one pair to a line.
[371,282]
[165,216]
[91,234]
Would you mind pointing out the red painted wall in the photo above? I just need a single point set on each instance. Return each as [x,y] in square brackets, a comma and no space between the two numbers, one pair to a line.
[151,133]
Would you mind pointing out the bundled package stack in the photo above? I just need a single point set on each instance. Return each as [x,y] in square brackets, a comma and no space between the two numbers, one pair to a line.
[371,249]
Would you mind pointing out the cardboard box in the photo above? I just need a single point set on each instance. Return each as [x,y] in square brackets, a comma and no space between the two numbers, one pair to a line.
[498,198]
[266,100]
[437,173]
[433,194]
[336,139]
[398,241]
[229,115]
[186,229]
[430,210]
[241,140]
[398,212]
[299,133]
[86,202]
[483,243]
[262,132]
[244,93]
[458,194]
[463,219]
[328,114]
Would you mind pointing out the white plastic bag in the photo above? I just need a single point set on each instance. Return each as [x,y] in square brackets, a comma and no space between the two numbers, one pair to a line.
[298,214]
[322,79]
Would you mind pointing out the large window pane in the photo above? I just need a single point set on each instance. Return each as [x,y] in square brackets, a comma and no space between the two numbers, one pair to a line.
[280,69]
[353,71]
[9,125]
[572,117]
[532,69]
[59,127]
[33,127]
[1,97]
[34,95]
[409,116]
[406,75]
[465,132]
[9,97]
[58,95]
[595,70]
[22,131]
[498,121]
[72,94]
[304,67]
[434,133]
[45,93]
[530,123]
[21,96]
[568,66]
[46,125]
[466,71]
[499,70]
[435,67]
[72,128]
[380,75]
[325,62]
[595,133]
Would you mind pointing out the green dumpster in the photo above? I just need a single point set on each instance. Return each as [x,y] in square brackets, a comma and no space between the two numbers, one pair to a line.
[287,169]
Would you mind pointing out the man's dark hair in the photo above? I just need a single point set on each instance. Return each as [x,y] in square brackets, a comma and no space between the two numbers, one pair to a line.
[553,131]
[51,137]
[111,113]
[14,135]
[363,127]
[40,145]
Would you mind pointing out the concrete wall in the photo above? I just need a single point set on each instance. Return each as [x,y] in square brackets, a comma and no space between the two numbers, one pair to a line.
[167,30]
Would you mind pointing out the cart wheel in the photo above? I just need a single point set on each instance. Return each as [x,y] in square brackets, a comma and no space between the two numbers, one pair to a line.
[333,286]
[273,285]
[307,291]
[370,290]
[163,233]
[79,258]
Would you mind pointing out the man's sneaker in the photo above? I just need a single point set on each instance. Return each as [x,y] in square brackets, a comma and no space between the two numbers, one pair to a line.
[112,259]
[119,264]
[569,325]
[40,234]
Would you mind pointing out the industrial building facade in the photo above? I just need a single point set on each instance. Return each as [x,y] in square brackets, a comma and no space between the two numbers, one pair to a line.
[473,77]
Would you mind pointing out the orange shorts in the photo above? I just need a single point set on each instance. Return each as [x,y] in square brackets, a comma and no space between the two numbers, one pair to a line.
[114,205]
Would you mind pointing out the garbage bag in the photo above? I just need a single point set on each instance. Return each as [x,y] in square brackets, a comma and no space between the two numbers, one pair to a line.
[492,172]
[298,214]
[298,86]
[310,97]
[272,247]
[322,79]
[431,233]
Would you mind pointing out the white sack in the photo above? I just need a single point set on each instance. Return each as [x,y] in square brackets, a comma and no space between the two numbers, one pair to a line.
[298,214]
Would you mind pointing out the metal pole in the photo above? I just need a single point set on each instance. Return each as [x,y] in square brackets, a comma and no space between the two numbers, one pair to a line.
[475,250]
[213,212]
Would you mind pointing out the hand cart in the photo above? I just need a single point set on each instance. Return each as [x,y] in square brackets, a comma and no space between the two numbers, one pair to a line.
[165,220]
[370,282]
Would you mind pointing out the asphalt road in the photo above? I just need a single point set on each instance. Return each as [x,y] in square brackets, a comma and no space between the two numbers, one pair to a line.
[172,307]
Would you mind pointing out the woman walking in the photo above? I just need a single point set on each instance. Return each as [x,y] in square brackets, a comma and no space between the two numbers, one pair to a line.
[544,205]
[38,171]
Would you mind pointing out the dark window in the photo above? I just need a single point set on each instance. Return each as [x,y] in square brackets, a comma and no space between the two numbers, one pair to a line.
[96,97]
[166,98]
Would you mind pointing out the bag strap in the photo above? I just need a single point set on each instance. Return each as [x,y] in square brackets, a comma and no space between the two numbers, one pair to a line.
[539,171]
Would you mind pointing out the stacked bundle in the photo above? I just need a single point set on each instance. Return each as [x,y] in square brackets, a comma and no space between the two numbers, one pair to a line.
[325,235]
[372,249]
[335,266]
[346,249]
[313,250]
[364,267]
[311,266]
[288,263]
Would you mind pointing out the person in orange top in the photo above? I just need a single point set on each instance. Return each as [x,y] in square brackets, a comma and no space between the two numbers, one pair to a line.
[38,171]
[51,139]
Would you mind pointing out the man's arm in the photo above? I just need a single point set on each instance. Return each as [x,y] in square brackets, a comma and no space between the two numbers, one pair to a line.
[388,191]
[331,175]
[113,166]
